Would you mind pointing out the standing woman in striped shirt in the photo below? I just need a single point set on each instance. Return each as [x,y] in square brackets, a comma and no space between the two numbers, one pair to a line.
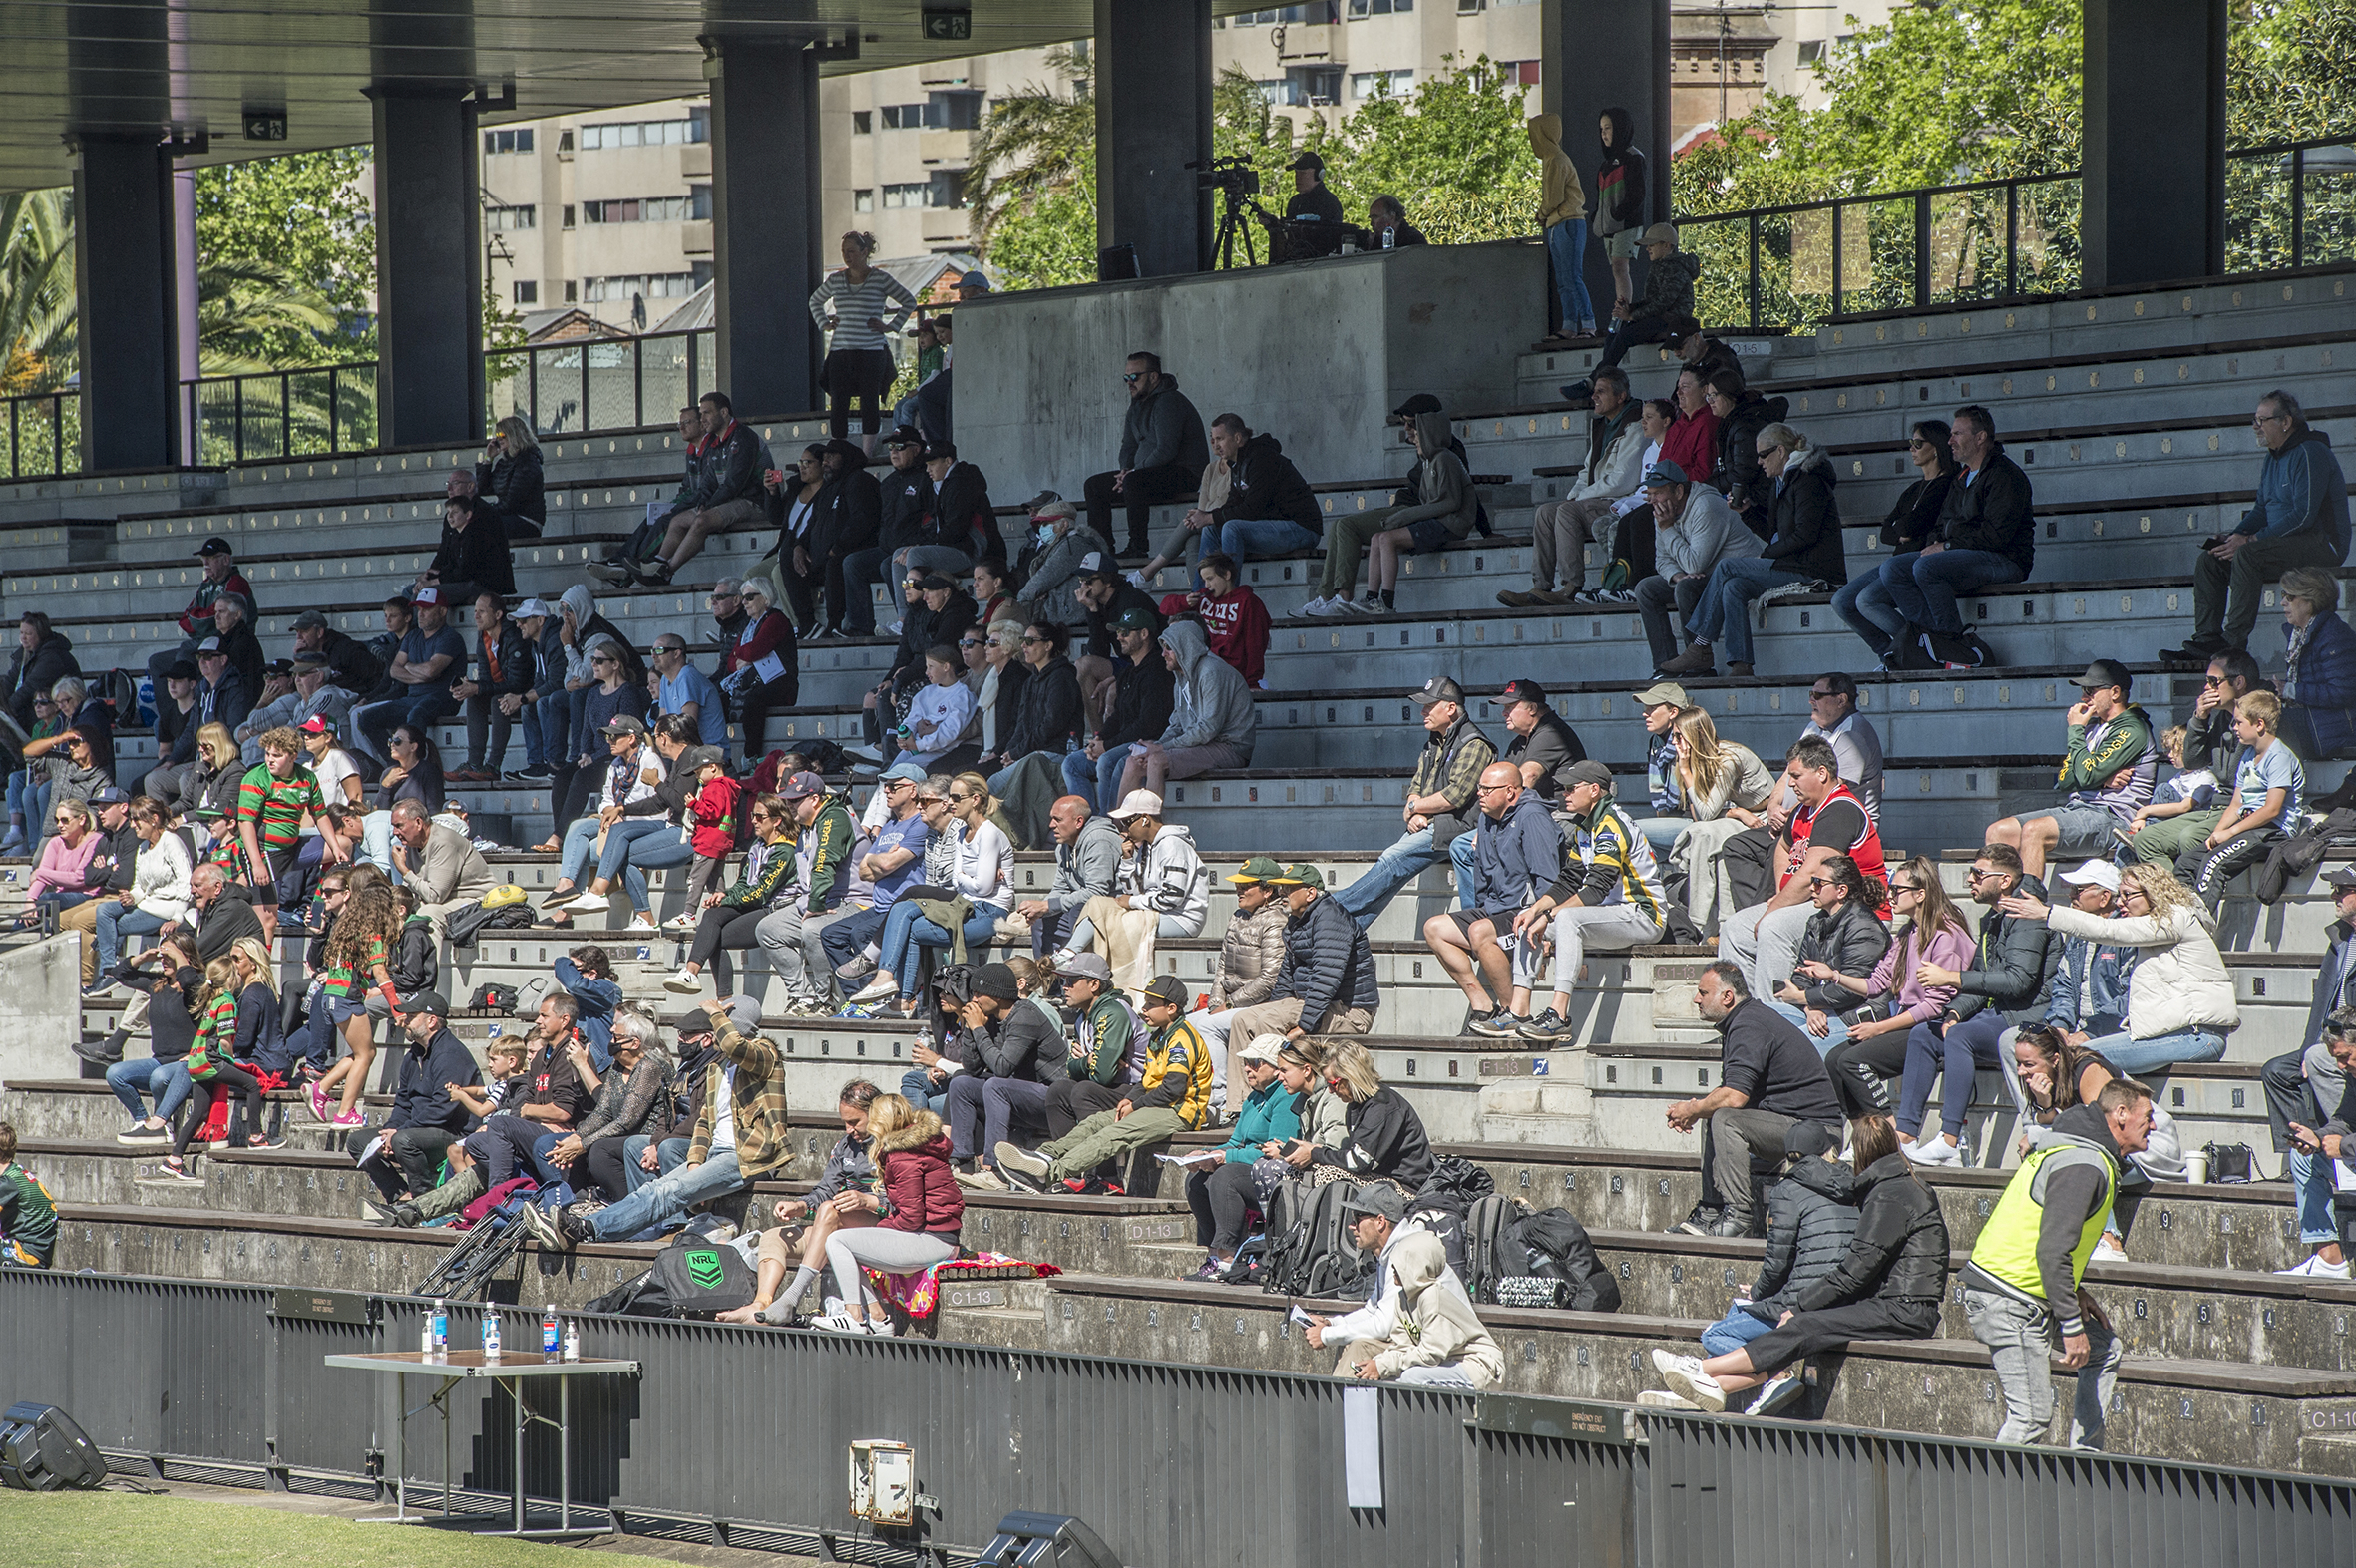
[858,365]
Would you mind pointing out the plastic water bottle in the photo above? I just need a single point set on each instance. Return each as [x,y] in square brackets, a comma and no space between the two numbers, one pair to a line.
[573,1342]
[437,1331]
[548,1334]
[491,1333]
[1390,239]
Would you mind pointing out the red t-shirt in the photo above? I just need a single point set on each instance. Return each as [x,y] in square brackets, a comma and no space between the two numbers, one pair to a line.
[1841,822]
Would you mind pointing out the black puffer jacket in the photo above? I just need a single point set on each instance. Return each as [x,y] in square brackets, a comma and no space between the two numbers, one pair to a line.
[1901,1250]
[1746,486]
[1852,939]
[1263,483]
[513,490]
[1327,964]
[52,660]
[2012,963]
[1049,715]
[1384,1137]
[1811,1219]
[1805,519]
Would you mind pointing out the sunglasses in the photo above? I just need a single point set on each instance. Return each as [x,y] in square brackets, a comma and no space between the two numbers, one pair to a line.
[1822,696]
[1823,882]
[601,659]
[1029,640]
[896,784]
[1133,377]
[2213,681]
[972,642]
[1977,875]
[1897,888]
[961,800]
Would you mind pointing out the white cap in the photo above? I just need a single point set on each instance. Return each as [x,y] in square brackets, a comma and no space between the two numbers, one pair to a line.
[531,607]
[1137,803]
[2095,874]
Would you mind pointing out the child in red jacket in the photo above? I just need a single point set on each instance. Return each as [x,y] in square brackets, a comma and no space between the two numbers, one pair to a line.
[711,823]
[916,1220]
[1234,621]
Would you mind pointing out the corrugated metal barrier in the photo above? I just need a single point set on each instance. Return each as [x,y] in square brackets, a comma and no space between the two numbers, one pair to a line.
[741,1435]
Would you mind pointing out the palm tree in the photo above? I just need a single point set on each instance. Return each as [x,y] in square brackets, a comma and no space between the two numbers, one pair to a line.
[1032,145]
[37,339]
[243,303]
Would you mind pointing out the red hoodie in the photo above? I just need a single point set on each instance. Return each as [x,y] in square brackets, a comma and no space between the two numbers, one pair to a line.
[714,837]
[1235,624]
[913,1164]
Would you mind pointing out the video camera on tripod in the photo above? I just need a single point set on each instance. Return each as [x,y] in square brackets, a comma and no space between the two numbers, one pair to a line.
[1236,182]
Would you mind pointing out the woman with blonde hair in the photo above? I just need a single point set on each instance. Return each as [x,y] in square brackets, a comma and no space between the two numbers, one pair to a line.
[207,792]
[213,1072]
[261,1046]
[510,488]
[1381,1137]
[919,1207]
[1724,786]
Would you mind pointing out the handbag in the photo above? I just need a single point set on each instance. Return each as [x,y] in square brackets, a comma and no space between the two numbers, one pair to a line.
[2231,1162]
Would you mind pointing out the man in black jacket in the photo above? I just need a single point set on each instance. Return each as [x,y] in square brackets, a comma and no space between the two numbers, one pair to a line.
[427,1118]
[731,497]
[221,911]
[1001,1039]
[2012,965]
[962,521]
[1268,511]
[904,495]
[1107,597]
[846,518]
[1770,1080]
[1163,451]
[1986,537]
[349,663]
[1144,694]
[1326,985]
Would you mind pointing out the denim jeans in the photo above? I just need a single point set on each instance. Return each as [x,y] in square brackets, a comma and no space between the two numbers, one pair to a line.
[579,840]
[2148,1059]
[1566,247]
[1732,1331]
[2310,1186]
[1923,589]
[1097,782]
[1409,855]
[116,920]
[166,1082]
[1461,851]
[668,1157]
[637,845]
[1246,538]
[906,930]
[1865,604]
[1835,1031]
[1724,611]
[921,1093]
[547,730]
[668,1196]
[2022,1338]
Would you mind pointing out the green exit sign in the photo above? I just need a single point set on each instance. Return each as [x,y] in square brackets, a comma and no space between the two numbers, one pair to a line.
[949,25]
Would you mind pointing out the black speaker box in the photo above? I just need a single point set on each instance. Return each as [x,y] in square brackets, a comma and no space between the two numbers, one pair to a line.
[42,1450]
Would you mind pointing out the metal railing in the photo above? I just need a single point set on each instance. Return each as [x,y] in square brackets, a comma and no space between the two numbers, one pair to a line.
[261,416]
[2289,204]
[44,434]
[582,385]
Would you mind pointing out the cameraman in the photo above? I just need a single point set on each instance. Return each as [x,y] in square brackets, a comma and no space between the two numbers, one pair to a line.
[1312,218]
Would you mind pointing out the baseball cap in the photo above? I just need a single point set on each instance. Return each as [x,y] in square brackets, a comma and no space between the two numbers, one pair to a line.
[1086,965]
[1660,694]
[1523,692]
[695,757]
[181,669]
[997,982]
[1377,1197]
[940,451]
[1297,875]
[108,795]
[1665,473]
[310,620]
[432,1001]
[1169,989]
[1260,868]
[698,1021]
[1137,803]
[278,666]
[2343,877]
[1585,771]
[426,595]
[1661,235]
[1135,618]
[1420,402]
[209,645]
[1308,161]
[531,607]
[1264,1049]
[216,545]
[974,280]
[2094,874]
[624,725]
[2104,672]
[905,436]
[1093,560]
[1807,1140]
[316,724]
[1439,689]
[311,658]
[801,786]
[904,770]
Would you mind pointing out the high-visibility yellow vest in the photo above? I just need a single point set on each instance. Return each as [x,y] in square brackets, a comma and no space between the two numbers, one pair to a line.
[2006,1247]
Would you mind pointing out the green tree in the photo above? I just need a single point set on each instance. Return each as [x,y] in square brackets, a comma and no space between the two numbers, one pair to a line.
[36,291]
[305,219]
[1034,146]
[1456,151]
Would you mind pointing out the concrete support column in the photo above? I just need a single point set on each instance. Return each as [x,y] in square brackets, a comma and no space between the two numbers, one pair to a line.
[1154,117]
[2154,183]
[1605,53]
[126,286]
[765,223]
[429,267]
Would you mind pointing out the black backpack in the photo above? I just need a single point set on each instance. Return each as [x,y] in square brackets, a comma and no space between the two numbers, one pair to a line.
[1558,1248]
[1490,1252]
[1309,1250]
[691,1277]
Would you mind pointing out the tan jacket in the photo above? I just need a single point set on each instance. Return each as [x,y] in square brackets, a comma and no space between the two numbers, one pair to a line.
[1564,198]
[1423,1314]
[1250,954]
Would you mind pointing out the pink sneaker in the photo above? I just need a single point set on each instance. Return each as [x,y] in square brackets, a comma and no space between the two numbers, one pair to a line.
[318,1099]
[350,1120]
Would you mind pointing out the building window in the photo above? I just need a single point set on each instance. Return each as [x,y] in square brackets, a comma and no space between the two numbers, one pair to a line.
[657,286]
[564,141]
[517,140]
[1358,8]
[917,194]
[1373,84]
[863,199]
[1325,11]
[954,111]
[646,210]
[527,293]
[568,215]
[506,220]
[572,292]
[644,132]
[1471,7]
[903,117]
[1523,73]
[863,122]
[699,204]
[1811,49]
[949,188]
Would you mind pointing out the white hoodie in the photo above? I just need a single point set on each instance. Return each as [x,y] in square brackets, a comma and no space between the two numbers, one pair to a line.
[1169,878]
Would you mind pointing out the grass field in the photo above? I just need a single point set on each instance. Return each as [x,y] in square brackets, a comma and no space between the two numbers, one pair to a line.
[111,1529]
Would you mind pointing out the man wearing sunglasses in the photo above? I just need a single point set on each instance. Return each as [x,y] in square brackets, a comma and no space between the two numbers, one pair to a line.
[1164,450]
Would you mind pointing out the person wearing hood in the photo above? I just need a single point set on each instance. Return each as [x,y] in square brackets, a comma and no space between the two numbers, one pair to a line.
[2106,776]
[1417,1325]
[1616,204]
[1234,621]
[1742,413]
[1163,891]
[2298,518]
[1443,511]
[1804,547]
[1890,1285]
[1562,217]
[43,658]
[1143,698]
[1517,855]
[848,519]
[2023,1290]
[1811,1219]
[1214,722]
[1063,552]
[1267,508]
[1163,453]
[1668,300]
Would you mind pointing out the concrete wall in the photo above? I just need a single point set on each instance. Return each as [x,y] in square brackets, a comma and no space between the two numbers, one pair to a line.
[1316,352]
[40,1009]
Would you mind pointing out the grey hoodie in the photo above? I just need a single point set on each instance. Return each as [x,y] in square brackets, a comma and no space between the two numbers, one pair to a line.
[1051,591]
[1214,701]
[576,599]
[1447,489]
[1169,878]
[1088,866]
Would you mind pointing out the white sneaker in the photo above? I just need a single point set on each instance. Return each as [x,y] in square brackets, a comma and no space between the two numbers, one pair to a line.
[1663,1400]
[643,923]
[1694,1383]
[880,989]
[1665,1362]
[587,903]
[839,1322]
[686,983]
[2316,1269]
[1326,607]
[1361,607]
[2106,1253]
[682,922]
[1933,1150]
[1138,578]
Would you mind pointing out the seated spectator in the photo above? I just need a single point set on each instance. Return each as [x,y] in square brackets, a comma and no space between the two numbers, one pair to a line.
[1106,599]
[686,691]
[1769,1078]
[1811,1216]
[617,765]
[1383,1139]
[1443,511]
[2048,1072]
[1631,558]
[837,1201]
[911,848]
[760,668]
[1388,228]
[998,1034]
[1049,722]
[416,775]
[632,1096]
[1163,453]
[1697,350]
[79,776]
[792,498]
[445,868]
[1864,603]
[509,485]
[28,1215]
[43,657]
[561,1084]
[1235,621]
[2268,794]
[979,895]
[1668,299]
[430,657]
[1805,548]
[1164,892]
[1300,1069]
[1986,536]
[2299,517]
[1417,1326]
[730,920]
[1865,1045]
[1221,1193]
[1692,441]
[1326,985]
[920,1214]
[2087,996]
[1615,453]
[2107,774]
[2023,1291]
[495,695]
[2318,666]
[426,1118]
[28,787]
[1543,745]
[939,613]
[1265,508]
[1857,746]
[158,888]
[996,673]
[731,495]
[1727,790]
[1144,695]
[2321,1112]
[62,878]
[1439,803]
[167,974]
[847,521]
[1693,533]
[1743,413]
[2179,998]
[1519,857]
[312,698]
[1609,895]
[1838,951]
[651,828]
[962,521]
[904,495]
[469,560]
[1892,1285]
[1659,705]
[215,1074]
[1251,954]
[1172,1095]
[1089,852]
[1060,551]
[111,869]
[1212,724]
[2003,983]
[49,661]
[1828,819]
[940,712]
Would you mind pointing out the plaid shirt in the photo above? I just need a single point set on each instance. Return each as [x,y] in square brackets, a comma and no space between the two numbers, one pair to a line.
[758,1106]
[1449,765]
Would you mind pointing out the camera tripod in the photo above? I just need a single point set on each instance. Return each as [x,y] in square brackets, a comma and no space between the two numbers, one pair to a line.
[1232,209]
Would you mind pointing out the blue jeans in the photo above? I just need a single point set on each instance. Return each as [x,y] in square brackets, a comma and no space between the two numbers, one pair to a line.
[668,1197]
[166,1082]
[1566,247]
[1865,604]
[637,845]
[548,729]
[1923,588]
[1732,1331]
[918,1089]
[1835,1031]
[847,935]
[2310,1184]
[905,929]
[668,1157]
[1724,611]
[1461,851]
[1409,855]
[580,839]
[1955,1060]
[1244,537]
[1097,782]
[2146,1058]
[422,710]
[116,920]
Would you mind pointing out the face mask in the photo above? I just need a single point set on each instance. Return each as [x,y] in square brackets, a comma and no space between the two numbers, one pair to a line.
[1044,532]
